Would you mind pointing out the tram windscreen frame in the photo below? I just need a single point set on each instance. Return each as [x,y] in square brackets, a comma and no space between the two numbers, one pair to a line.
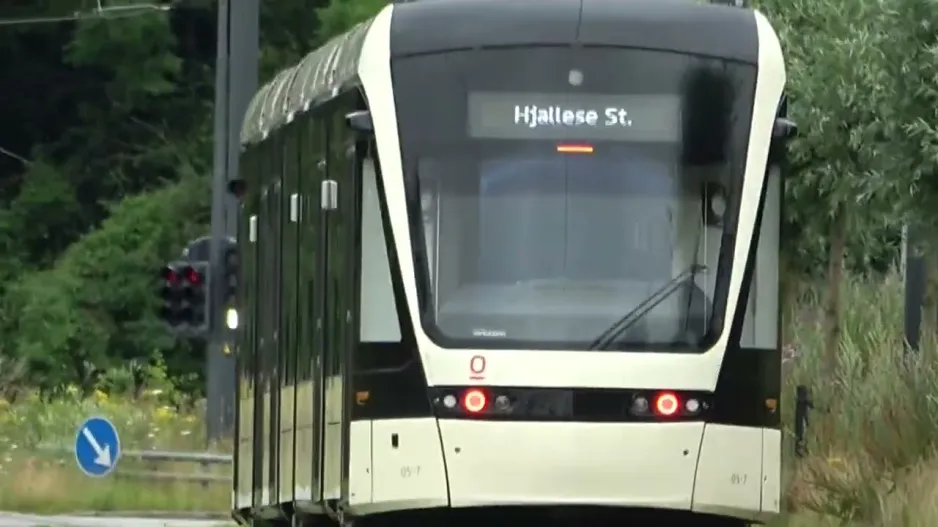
[491,272]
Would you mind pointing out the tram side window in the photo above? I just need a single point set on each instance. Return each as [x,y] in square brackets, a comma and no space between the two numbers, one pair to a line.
[378,321]
[760,327]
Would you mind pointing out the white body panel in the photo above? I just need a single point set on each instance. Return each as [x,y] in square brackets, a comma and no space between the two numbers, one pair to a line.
[623,464]
[287,433]
[411,475]
[771,473]
[332,440]
[729,471]
[708,468]
[360,469]
[306,437]
[265,451]
[245,475]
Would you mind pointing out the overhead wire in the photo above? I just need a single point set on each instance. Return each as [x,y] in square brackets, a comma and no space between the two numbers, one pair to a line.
[100,12]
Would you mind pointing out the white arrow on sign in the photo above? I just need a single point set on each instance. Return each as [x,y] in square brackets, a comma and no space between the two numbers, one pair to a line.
[103,455]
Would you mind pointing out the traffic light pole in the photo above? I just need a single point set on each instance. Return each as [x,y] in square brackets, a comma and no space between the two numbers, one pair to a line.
[236,61]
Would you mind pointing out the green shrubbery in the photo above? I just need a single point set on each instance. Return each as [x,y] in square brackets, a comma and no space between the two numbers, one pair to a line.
[96,308]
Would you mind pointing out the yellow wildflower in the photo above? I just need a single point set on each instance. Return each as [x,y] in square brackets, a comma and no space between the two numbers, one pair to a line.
[163,413]
[100,396]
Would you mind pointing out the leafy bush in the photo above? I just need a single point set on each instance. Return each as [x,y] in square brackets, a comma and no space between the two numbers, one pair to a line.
[96,307]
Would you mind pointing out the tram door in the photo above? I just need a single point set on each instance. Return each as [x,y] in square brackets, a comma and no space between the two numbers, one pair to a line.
[342,220]
[263,344]
[246,349]
[275,347]
[288,295]
[311,284]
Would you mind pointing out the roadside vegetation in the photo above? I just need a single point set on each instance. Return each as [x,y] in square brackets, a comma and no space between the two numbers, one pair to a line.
[872,446]
[38,471]
[871,452]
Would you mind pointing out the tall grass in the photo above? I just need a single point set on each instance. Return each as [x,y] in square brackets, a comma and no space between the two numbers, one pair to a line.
[38,472]
[872,436]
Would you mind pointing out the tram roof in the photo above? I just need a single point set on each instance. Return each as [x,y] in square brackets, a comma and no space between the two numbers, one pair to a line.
[673,25]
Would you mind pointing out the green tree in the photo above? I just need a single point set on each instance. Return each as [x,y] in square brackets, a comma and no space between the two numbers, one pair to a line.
[341,15]
[111,110]
[96,307]
[837,82]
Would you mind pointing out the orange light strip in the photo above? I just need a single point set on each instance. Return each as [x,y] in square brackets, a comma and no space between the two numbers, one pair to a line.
[575,149]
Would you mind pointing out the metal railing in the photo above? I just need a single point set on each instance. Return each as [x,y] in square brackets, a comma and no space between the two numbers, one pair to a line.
[155,461]
[152,465]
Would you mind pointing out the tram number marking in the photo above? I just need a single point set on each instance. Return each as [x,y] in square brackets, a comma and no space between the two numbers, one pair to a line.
[738,479]
[410,471]
[477,368]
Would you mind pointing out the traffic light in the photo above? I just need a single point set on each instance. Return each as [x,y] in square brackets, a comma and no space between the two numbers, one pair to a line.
[184,295]
[171,294]
[231,265]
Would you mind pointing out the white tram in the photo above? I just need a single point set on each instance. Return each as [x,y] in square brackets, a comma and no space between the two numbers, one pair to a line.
[515,261]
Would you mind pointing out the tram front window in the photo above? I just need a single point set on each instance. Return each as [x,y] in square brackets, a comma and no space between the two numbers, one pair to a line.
[545,209]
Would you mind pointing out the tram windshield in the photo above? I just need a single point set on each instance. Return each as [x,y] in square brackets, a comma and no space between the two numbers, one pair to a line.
[573,199]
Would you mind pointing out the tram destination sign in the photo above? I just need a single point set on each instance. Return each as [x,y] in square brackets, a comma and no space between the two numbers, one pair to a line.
[644,118]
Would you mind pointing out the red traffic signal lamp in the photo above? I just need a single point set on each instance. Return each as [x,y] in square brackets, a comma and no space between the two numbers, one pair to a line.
[183,295]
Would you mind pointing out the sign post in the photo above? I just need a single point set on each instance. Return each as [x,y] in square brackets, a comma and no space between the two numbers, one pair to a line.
[97,447]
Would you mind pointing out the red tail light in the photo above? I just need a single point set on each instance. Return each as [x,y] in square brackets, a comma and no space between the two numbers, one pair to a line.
[667,404]
[474,401]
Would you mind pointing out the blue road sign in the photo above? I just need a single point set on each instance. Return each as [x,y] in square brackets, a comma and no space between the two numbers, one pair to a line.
[97,447]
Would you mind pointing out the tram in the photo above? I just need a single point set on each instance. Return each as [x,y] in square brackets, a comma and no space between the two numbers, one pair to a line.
[515,261]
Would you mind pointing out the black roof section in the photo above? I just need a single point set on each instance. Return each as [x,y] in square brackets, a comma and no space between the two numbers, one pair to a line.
[428,26]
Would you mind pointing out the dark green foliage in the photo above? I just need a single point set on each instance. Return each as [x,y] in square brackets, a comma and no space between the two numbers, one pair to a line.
[105,155]
[95,308]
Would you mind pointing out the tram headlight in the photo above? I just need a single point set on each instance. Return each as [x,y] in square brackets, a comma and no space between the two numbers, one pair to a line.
[449,401]
[639,405]
[231,318]
[692,406]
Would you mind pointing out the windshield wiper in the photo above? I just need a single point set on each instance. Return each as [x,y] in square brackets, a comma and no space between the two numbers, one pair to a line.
[632,317]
